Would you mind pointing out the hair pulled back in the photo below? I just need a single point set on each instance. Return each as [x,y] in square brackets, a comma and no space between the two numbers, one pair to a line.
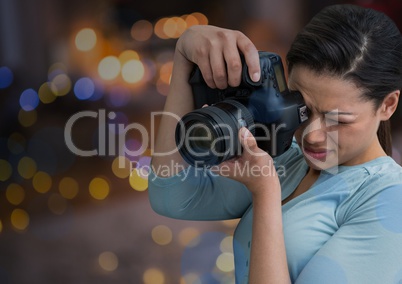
[357,44]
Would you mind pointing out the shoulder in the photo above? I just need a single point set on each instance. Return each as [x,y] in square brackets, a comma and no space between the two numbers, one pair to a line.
[377,187]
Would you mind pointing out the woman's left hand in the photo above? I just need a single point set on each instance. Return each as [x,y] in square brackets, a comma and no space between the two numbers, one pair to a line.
[254,168]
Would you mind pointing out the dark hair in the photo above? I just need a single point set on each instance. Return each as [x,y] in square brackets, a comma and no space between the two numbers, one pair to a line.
[357,44]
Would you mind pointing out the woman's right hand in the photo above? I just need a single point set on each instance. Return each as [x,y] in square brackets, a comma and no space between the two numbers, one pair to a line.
[216,52]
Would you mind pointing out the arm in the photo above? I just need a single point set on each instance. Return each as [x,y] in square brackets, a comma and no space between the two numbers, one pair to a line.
[216,52]
[268,262]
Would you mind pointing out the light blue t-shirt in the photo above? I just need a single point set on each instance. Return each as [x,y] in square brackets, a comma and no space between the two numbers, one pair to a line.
[347,228]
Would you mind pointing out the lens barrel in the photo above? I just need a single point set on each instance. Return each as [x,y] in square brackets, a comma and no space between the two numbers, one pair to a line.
[209,136]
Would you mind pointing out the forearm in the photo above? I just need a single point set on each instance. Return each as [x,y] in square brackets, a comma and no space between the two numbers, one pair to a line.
[179,102]
[268,262]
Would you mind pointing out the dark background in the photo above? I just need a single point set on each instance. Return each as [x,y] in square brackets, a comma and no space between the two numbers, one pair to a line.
[71,219]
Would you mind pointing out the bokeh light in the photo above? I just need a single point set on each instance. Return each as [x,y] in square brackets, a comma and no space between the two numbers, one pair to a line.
[162,235]
[26,167]
[1,226]
[108,261]
[201,18]
[27,118]
[153,276]
[5,170]
[138,182]
[68,187]
[141,30]
[19,219]
[84,88]
[62,85]
[15,194]
[29,99]
[158,29]
[47,92]
[188,235]
[128,55]
[99,188]
[109,68]
[121,167]
[225,262]
[85,39]
[42,182]
[226,244]
[6,77]
[174,27]
[133,71]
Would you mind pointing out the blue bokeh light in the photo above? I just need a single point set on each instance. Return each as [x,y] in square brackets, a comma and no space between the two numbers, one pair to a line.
[29,99]
[84,88]
[6,77]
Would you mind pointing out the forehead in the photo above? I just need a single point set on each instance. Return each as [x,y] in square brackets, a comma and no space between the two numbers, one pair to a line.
[325,92]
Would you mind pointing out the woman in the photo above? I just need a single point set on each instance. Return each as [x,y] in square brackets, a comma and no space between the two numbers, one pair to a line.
[334,216]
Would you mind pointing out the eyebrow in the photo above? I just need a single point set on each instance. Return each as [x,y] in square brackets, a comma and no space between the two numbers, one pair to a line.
[333,112]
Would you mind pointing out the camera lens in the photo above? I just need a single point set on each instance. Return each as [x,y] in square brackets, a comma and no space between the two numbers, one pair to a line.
[209,136]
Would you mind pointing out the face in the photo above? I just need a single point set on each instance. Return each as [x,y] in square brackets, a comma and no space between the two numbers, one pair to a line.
[342,127]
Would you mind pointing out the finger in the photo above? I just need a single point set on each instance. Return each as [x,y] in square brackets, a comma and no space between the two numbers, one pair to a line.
[248,141]
[206,72]
[218,67]
[234,65]
[251,56]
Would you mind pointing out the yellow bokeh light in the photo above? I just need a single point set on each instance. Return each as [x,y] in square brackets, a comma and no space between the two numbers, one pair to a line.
[26,167]
[133,71]
[226,244]
[153,276]
[15,194]
[121,167]
[109,68]
[68,187]
[99,188]
[5,170]
[85,39]
[27,118]
[159,28]
[162,235]
[19,219]
[62,85]
[108,261]
[188,235]
[128,55]
[138,182]
[57,204]
[47,92]
[142,30]
[190,20]
[225,262]
[42,182]
[201,18]
[1,226]
[174,27]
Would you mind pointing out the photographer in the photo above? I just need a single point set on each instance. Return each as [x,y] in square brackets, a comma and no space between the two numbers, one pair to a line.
[334,216]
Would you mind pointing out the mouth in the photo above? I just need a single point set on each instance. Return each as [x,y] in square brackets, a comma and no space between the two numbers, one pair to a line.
[318,154]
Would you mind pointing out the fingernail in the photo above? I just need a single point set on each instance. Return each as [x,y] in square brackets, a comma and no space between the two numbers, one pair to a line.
[255,77]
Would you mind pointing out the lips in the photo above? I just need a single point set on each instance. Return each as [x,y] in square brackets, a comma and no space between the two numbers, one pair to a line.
[318,154]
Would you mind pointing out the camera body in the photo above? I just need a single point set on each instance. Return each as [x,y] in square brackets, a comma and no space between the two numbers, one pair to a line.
[267,108]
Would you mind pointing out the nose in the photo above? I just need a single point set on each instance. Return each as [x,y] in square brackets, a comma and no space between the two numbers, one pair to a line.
[315,132]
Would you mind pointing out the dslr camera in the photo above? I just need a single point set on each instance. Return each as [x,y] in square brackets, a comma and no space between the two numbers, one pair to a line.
[208,135]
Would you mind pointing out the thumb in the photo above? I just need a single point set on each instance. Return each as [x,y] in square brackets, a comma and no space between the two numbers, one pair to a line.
[247,140]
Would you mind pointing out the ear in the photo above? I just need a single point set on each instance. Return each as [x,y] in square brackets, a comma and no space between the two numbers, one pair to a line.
[389,105]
